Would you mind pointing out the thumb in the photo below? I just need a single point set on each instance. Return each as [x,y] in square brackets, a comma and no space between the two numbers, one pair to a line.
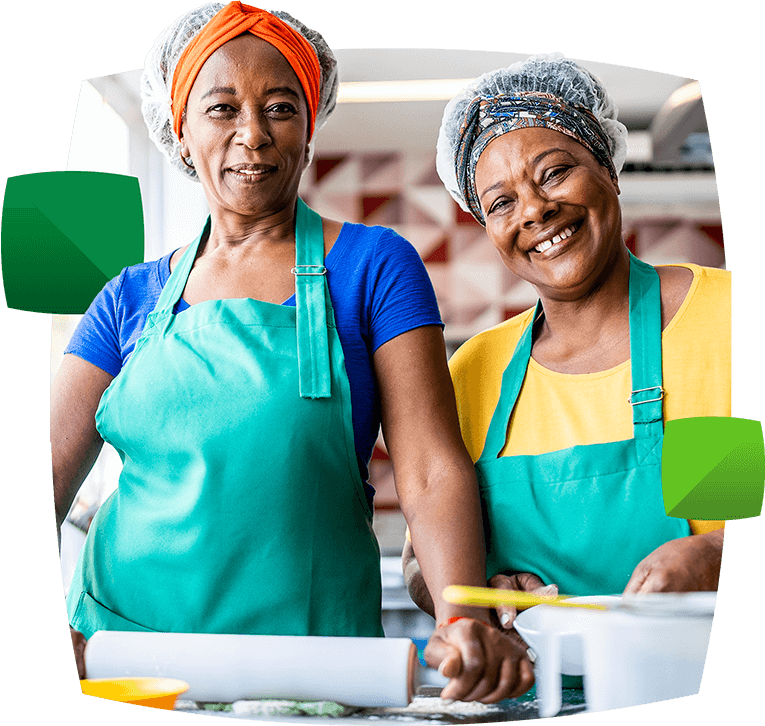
[451,666]
[443,656]
[506,615]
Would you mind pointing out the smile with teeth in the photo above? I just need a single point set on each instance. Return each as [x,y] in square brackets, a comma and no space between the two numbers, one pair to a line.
[250,172]
[564,234]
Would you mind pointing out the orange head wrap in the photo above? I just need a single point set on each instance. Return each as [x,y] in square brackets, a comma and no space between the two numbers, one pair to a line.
[227,24]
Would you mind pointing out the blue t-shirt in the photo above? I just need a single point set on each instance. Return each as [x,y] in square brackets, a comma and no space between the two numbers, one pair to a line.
[378,286]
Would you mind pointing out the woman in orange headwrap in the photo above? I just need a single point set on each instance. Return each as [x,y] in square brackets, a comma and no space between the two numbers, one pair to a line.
[243,378]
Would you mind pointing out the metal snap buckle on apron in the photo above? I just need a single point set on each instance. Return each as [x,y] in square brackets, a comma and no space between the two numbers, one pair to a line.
[295,271]
[648,400]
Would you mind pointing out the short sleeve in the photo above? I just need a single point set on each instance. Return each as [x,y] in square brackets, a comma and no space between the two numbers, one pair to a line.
[110,328]
[401,295]
[96,338]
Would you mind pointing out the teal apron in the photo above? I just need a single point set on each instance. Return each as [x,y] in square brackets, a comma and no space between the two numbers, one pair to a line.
[240,508]
[583,517]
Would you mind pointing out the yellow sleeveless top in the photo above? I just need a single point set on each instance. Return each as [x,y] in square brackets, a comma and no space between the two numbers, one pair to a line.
[559,410]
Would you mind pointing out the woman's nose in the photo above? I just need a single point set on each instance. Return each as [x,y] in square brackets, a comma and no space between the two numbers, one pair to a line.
[252,131]
[537,207]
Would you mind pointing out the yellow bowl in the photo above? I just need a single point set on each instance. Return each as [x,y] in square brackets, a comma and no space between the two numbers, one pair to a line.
[154,692]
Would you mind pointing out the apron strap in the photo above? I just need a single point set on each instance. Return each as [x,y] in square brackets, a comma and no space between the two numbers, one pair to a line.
[176,283]
[647,395]
[311,301]
[512,380]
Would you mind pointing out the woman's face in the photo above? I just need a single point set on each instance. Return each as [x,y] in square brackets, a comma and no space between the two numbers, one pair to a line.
[246,129]
[551,210]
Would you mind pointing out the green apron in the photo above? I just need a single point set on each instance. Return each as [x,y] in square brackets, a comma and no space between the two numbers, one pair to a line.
[583,517]
[240,508]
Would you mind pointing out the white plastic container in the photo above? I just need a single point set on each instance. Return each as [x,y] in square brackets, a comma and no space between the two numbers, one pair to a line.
[654,652]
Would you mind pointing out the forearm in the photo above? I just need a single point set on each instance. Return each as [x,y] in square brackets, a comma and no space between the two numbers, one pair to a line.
[415,582]
[444,517]
[434,476]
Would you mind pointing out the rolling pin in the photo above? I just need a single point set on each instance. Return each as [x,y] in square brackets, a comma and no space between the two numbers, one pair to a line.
[362,672]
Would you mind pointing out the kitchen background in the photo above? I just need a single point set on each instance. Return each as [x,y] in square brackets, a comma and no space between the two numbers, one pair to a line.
[375,163]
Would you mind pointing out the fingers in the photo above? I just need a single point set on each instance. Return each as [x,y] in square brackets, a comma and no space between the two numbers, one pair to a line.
[513,677]
[483,664]
[506,614]
[530,582]
[472,659]
[525,581]
[512,682]
[444,656]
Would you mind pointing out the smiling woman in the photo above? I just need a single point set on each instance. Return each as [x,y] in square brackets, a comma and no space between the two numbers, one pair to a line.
[551,210]
[562,407]
[244,378]
[230,113]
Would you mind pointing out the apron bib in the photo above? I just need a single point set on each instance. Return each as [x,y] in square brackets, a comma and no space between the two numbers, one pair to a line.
[583,517]
[240,508]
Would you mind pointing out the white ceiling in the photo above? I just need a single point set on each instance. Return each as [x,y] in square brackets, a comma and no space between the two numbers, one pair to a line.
[413,125]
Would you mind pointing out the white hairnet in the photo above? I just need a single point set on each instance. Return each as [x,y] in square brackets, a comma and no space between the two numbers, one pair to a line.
[157,77]
[552,74]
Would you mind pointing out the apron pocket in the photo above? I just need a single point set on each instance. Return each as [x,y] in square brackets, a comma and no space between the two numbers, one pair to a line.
[91,616]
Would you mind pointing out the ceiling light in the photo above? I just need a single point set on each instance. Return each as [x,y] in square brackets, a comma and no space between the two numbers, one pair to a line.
[685,94]
[380,91]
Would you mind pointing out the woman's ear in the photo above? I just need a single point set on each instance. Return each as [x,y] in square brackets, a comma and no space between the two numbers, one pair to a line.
[184,151]
[181,138]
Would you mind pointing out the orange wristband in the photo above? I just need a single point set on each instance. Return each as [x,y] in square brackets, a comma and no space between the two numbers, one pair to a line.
[460,617]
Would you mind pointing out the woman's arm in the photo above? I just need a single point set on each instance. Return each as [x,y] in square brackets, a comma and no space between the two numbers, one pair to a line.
[436,485]
[75,393]
[75,443]
[415,582]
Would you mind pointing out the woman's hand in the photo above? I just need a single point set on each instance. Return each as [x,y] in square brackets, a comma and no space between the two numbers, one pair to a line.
[483,663]
[524,581]
[78,644]
[687,564]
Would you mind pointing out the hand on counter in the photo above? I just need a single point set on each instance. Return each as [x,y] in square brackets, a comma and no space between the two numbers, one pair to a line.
[686,564]
[483,663]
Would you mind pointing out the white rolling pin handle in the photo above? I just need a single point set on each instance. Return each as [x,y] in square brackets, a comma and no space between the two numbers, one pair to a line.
[363,672]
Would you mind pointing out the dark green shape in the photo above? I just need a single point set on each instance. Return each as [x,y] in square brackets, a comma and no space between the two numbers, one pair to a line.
[64,235]
[713,468]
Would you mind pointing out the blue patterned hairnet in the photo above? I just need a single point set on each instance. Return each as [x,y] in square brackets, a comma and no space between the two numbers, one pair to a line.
[543,91]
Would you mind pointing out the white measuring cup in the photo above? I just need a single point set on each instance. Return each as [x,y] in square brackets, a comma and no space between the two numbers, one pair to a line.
[652,652]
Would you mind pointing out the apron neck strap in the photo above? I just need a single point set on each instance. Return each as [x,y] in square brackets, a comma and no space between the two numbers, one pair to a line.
[311,299]
[176,283]
[645,349]
[645,356]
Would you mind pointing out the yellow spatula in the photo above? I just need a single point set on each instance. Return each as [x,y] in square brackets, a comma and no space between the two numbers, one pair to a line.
[490,597]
